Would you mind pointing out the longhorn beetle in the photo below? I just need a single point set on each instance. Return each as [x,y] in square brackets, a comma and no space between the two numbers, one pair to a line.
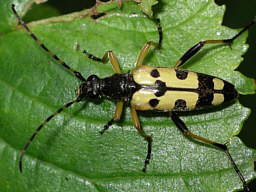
[152,88]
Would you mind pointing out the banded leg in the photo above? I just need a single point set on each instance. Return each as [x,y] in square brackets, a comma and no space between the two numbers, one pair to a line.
[108,54]
[183,128]
[146,47]
[77,74]
[118,113]
[43,124]
[136,124]
[193,50]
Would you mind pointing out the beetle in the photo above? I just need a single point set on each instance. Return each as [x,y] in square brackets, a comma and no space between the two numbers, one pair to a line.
[152,88]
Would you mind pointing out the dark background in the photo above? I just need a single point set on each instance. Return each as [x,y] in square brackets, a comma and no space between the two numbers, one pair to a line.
[238,14]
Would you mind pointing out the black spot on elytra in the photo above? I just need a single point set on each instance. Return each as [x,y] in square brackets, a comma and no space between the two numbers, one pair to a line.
[180,74]
[161,87]
[205,91]
[205,99]
[180,105]
[153,102]
[154,73]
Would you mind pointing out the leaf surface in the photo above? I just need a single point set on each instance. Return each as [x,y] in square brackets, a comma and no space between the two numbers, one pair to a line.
[69,154]
[146,6]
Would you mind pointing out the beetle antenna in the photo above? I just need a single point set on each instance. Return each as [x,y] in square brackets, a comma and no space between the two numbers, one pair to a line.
[77,74]
[39,128]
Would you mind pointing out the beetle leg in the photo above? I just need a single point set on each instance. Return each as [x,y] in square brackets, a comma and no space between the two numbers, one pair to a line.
[136,124]
[160,33]
[144,52]
[118,113]
[193,50]
[146,47]
[108,54]
[183,128]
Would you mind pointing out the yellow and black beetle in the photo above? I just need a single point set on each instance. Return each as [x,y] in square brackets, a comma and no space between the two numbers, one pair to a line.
[152,88]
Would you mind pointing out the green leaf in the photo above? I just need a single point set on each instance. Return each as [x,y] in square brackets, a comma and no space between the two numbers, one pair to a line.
[40,12]
[69,154]
[146,6]
[103,7]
